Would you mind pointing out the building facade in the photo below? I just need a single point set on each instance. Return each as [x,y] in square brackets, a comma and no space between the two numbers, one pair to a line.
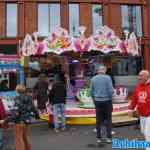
[18,17]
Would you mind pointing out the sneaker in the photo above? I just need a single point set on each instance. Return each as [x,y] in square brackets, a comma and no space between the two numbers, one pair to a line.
[56,130]
[63,128]
[99,141]
[113,132]
[108,140]
[94,130]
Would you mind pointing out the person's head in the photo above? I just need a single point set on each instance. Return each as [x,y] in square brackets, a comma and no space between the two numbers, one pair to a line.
[101,69]
[20,89]
[144,76]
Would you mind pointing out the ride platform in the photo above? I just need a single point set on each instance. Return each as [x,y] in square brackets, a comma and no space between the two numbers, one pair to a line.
[81,116]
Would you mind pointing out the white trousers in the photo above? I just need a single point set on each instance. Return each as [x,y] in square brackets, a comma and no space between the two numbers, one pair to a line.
[145,128]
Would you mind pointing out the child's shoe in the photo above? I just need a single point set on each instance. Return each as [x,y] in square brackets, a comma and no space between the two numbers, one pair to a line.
[56,130]
[63,128]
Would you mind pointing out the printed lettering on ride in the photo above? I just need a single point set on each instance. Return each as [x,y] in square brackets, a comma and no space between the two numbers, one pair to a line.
[127,144]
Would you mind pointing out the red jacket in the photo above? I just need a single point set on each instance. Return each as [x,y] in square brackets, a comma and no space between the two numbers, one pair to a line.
[141,99]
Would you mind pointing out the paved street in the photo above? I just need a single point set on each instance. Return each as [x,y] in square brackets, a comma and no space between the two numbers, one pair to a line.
[75,138]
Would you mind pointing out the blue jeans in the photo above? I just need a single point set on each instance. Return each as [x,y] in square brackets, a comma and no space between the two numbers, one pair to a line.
[59,115]
[1,139]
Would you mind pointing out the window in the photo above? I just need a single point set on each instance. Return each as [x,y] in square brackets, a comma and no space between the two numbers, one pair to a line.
[125,66]
[54,16]
[74,19]
[43,22]
[11,26]
[132,19]
[96,17]
[48,18]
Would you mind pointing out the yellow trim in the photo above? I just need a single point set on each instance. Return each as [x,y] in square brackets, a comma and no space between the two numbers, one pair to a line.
[92,120]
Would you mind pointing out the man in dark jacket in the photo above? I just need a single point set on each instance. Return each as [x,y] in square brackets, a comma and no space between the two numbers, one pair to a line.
[57,97]
[41,92]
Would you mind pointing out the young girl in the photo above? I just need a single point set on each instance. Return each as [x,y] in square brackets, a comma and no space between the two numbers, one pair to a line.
[21,115]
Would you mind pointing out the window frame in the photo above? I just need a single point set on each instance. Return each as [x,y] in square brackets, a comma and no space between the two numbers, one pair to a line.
[47,3]
[17,20]
[140,34]
[78,4]
[92,15]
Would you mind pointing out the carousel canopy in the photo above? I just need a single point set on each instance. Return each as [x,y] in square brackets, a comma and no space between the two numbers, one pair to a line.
[58,42]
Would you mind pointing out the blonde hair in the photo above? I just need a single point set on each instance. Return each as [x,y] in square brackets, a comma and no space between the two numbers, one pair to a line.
[20,88]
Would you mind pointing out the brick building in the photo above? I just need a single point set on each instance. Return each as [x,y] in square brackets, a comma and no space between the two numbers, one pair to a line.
[18,17]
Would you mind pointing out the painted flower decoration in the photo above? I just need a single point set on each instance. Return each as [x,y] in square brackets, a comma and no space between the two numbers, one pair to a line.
[105,40]
[28,46]
[59,41]
[82,45]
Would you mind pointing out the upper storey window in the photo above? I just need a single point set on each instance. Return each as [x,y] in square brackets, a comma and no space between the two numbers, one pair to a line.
[48,18]
[74,19]
[96,17]
[11,20]
[132,19]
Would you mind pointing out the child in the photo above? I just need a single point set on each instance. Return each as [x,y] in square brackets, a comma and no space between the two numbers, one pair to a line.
[57,97]
[21,115]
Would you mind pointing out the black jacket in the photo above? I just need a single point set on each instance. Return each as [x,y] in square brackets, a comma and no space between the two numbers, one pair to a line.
[58,93]
[40,92]
[23,110]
